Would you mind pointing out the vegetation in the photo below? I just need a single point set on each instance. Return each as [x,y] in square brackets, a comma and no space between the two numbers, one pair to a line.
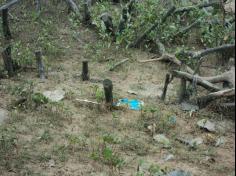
[45,137]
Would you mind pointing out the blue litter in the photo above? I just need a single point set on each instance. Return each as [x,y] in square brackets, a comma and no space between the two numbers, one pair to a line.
[132,104]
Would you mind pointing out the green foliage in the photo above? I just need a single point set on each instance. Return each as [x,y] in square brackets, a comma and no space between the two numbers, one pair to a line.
[22,54]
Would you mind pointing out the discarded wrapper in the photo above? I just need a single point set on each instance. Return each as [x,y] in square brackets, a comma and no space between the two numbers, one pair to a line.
[132,104]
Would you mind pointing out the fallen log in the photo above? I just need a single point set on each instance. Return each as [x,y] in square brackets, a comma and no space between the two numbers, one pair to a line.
[197,79]
[205,100]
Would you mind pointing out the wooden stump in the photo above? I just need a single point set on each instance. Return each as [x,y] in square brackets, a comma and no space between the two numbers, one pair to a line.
[86,13]
[167,81]
[183,90]
[40,65]
[108,87]
[5,24]
[85,71]
[38,5]
[8,62]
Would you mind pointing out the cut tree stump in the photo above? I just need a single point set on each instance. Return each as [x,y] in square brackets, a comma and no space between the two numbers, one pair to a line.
[85,71]
[8,62]
[167,82]
[5,24]
[108,88]
[40,65]
[86,13]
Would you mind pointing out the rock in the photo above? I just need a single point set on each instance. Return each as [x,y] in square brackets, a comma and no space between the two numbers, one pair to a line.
[54,96]
[161,139]
[185,106]
[3,115]
[206,124]
[132,92]
[168,157]
[195,142]
[191,142]
[51,163]
[220,141]
[179,173]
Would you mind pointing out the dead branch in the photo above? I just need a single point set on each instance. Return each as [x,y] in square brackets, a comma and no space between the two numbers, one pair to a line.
[9,4]
[169,58]
[205,100]
[197,79]
[199,6]
[188,28]
[118,64]
[202,53]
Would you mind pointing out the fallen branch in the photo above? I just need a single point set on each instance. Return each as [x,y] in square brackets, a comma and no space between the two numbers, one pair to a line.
[118,64]
[87,103]
[228,76]
[169,58]
[199,6]
[154,26]
[205,100]
[188,28]
[202,53]
[197,79]
[9,4]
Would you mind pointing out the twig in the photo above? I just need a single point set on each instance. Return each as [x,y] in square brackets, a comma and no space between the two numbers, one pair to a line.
[118,64]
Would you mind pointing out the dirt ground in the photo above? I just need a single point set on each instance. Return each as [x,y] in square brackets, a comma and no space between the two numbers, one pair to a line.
[64,139]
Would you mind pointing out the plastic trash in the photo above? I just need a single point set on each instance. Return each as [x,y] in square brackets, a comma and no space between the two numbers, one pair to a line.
[132,104]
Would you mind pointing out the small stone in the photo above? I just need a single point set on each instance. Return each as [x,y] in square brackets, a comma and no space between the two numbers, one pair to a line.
[179,173]
[220,141]
[185,106]
[132,92]
[3,115]
[161,139]
[51,163]
[195,142]
[54,96]
[169,157]
[206,124]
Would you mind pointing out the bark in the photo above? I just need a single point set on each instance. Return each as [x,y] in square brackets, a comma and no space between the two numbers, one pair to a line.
[5,24]
[8,62]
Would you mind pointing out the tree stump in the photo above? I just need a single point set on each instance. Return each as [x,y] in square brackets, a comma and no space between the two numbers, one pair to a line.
[8,62]
[108,87]
[183,90]
[85,71]
[5,24]
[40,65]
[167,81]
[86,13]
